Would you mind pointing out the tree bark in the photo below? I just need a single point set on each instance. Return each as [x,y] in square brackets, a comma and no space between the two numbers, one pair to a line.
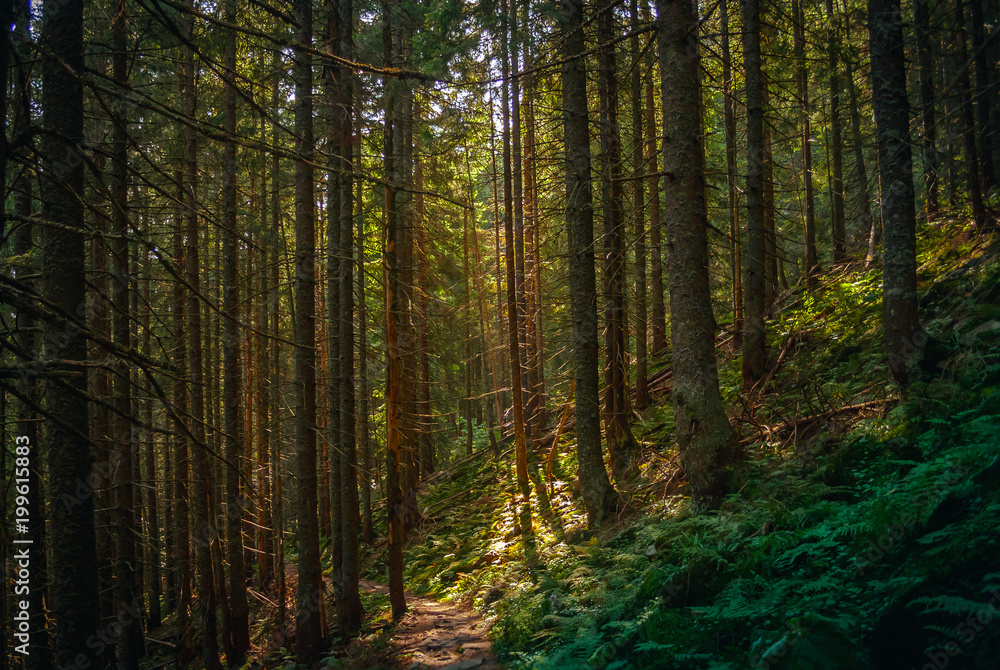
[802,88]
[735,234]
[638,212]
[621,443]
[515,331]
[231,368]
[707,451]
[927,114]
[74,606]
[967,119]
[903,337]
[309,625]
[658,327]
[754,288]
[394,304]
[599,496]
[130,647]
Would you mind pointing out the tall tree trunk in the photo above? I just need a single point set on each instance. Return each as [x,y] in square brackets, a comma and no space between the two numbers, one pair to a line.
[276,435]
[735,234]
[638,212]
[772,250]
[535,312]
[153,562]
[515,332]
[21,193]
[231,368]
[364,442]
[985,92]
[181,551]
[205,532]
[864,193]
[805,130]
[340,206]
[903,337]
[426,442]
[659,326]
[394,305]
[704,439]
[929,128]
[599,496]
[468,334]
[621,443]
[74,606]
[967,120]
[836,158]
[127,594]
[754,288]
[309,625]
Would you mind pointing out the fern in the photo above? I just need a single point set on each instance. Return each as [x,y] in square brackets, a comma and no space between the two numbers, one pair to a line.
[950,605]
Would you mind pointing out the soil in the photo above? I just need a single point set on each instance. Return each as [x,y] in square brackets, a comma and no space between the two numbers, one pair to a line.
[439,635]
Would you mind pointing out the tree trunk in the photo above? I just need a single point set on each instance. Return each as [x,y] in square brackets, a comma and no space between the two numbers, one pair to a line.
[395,438]
[204,534]
[837,185]
[514,330]
[638,212]
[181,551]
[309,625]
[729,121]
[20,194]
[341,222]
[74,606]
[621,443]
[754,287]
[659,326]
[599,496]
[364,442]
[967,120]
[704,439]
[985,92]
[231,368]
[426,447]
[802,88]
[127,595]
[864,193]
[926,65]
[903,337]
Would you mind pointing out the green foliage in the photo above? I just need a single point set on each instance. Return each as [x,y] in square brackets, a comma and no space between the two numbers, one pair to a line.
[843,535]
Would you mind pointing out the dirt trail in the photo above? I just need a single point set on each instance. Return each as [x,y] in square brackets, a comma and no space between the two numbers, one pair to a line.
[439,635]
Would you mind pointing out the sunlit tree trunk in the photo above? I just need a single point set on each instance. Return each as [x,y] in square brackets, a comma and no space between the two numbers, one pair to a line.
[599,496]
[512,218]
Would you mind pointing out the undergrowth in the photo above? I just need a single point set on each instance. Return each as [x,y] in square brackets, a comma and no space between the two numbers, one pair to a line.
[863,538]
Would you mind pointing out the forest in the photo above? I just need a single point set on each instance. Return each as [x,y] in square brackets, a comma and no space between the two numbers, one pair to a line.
[500,334]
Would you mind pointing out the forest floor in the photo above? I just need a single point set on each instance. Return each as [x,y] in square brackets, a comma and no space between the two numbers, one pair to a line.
[438,634]
[433,635]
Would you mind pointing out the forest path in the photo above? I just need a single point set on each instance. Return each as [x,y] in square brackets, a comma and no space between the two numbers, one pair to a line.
[438,635]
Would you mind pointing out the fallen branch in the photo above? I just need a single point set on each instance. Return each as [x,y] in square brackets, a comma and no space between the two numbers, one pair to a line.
[795,423]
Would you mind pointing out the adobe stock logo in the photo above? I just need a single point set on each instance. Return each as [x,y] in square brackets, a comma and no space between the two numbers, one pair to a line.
[966,631]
